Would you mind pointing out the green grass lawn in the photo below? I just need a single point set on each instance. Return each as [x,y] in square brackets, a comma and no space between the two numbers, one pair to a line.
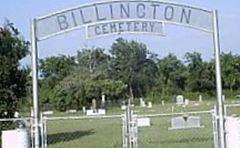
[92,133]
[107,133]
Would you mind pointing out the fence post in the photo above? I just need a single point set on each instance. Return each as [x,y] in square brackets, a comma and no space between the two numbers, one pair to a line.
[215,130]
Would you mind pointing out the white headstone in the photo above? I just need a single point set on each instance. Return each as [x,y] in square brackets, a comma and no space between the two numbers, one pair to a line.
[149,104]
[143,122]
[84,109]
[200,98]
[141,100]
[103,99]
[16,114]
[101,112]
[185,122]
[142,103]
[163,103]
[50,112]
[172,109]
[71,111]
[186,102]
[94,104]
[91,112]
[123,107]
[179,100]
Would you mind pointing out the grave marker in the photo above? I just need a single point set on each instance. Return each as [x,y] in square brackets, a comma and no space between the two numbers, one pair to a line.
[84,109]
[179,100]
[142,103]
[185,122]
[149,104]
[163,103]
[200,98]
[98,112]
[103,101]
[143,122]
[186,102]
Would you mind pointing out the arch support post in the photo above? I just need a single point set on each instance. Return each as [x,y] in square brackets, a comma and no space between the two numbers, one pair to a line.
[36,113]
[220,103]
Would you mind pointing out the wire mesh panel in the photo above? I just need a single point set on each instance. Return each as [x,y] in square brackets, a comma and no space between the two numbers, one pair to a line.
[161,134]
[232,110]
[84,133]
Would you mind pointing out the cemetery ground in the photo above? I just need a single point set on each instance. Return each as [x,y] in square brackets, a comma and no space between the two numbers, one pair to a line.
[107,133]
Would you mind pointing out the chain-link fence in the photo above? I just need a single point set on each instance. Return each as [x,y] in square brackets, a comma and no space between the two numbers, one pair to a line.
[232,109]
[84,132]
[107,131]
[181,130]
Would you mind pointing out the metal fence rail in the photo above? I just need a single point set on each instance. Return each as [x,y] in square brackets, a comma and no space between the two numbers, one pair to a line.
[232,109]
[106,132]
[84,132]
[160,134]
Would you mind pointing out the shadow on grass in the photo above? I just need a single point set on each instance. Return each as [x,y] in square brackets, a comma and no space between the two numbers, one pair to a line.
[189,140]
[67,136]
[182,140]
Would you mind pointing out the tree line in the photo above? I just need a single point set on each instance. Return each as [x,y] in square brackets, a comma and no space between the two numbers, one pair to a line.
[127,70]
[130,70]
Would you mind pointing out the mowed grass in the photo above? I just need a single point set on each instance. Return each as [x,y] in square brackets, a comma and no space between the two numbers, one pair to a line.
[107,133]
[160,136]
[91,133]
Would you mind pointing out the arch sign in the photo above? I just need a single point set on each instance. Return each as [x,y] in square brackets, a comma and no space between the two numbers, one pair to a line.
[127,16]
[121,16]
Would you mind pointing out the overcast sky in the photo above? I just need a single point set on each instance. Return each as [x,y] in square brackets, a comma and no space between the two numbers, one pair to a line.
[178,40]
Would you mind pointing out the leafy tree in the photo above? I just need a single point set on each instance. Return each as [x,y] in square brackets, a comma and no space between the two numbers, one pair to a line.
[79,89]
[230,71]
[130,64]
[173,74]
[95,61]
[12,78]
[53,70]
[201,74]
[56,67]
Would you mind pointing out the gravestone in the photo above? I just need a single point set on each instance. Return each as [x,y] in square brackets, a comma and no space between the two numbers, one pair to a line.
[84,109]
[71,111]
[143,122]
[172,109]
[48,112]
[149,104]
[16,114]
[179,100]
[200,98]
[90,112]
[223,98]
[186,102]
[103,101]
[163,103]
[142,103]
[94,105]
[123,107]
[98,112]
[185,122]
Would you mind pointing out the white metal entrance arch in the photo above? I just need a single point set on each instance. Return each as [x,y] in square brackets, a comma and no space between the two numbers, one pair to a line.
[126,16]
